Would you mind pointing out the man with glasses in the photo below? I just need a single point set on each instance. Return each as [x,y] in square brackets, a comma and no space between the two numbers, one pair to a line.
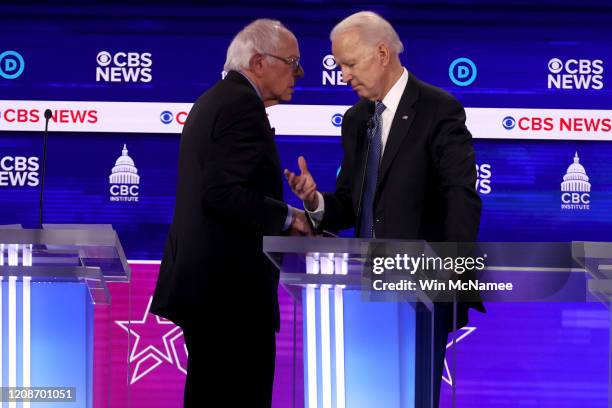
[293,62]
[215,282]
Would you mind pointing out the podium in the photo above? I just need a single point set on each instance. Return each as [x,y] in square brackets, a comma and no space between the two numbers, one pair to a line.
[357,352]
[596,259]
[51,281]
[364,351]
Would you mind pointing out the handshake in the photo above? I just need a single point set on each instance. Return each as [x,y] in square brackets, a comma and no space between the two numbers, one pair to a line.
[305,188]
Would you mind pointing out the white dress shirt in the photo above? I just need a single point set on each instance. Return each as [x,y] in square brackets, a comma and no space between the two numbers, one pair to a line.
[391,102]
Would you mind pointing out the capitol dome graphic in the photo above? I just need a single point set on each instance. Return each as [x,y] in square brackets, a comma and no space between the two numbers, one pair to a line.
[576,179]
[124,171]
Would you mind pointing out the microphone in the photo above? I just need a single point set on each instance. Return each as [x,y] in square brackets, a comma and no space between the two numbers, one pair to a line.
[48,115]
[369,127]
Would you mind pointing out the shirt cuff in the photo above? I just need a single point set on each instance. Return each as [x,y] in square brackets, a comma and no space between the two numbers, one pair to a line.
[316,216]
[289,218]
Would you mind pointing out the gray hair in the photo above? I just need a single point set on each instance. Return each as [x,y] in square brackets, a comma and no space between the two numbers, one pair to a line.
[373,29]
[261,36]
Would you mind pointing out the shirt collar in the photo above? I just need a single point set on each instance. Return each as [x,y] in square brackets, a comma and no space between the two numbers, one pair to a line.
[392,99]
[252,84]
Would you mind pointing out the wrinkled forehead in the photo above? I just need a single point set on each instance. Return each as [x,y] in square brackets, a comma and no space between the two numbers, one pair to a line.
[350,45]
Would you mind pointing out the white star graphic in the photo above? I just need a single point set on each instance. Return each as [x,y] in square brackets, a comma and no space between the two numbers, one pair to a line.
[151,352]
[467,330]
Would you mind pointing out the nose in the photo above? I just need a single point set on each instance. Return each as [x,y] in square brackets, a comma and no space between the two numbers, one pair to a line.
[299,72]
[347,76]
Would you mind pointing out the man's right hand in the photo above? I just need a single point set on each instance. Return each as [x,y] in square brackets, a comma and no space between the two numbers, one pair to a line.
[299,224]
[303,185]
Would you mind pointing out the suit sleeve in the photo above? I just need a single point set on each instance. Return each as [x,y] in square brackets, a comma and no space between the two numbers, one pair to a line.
[339,212]
[237,148]
[453,156]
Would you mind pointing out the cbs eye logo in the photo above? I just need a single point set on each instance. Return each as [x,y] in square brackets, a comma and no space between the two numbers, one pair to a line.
[555,65]
[508,122]
[166,117]
[104,58]
[329,62]
[331,74]
[336,119]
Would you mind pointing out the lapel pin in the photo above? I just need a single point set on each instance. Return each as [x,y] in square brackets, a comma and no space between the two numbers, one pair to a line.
[405,117]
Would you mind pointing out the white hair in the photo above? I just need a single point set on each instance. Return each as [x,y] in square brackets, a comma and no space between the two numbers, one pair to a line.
[372,28]
[261,36]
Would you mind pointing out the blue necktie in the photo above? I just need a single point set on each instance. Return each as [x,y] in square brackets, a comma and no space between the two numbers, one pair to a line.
[371,176]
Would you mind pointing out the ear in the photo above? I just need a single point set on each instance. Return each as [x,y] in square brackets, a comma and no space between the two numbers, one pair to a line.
[383,54]
[256,64]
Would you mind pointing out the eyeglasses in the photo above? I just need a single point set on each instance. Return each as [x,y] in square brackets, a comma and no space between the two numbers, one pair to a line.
[293,62]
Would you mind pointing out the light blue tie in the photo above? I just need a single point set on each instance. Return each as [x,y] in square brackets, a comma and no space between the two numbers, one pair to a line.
[366,229]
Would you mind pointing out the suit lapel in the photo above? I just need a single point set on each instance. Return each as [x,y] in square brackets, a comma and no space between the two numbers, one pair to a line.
[404,116]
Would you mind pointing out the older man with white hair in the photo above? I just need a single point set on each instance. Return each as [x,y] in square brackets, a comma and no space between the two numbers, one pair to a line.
[408,170]
[214,280]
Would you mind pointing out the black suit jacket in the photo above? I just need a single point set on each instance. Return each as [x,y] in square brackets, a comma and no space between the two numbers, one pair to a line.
[426,182]
[228,197]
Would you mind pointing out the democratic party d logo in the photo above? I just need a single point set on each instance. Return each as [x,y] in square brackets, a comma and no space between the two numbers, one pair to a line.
[462,71]
[11,64]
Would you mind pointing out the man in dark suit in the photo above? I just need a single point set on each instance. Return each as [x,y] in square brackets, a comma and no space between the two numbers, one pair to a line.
[408,170]
[215,282]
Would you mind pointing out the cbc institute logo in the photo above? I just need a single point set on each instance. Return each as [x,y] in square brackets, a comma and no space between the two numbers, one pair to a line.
[124,179]
[575,188]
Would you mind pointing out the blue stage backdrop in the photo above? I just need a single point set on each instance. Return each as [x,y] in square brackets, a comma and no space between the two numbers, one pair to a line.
[534,77]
